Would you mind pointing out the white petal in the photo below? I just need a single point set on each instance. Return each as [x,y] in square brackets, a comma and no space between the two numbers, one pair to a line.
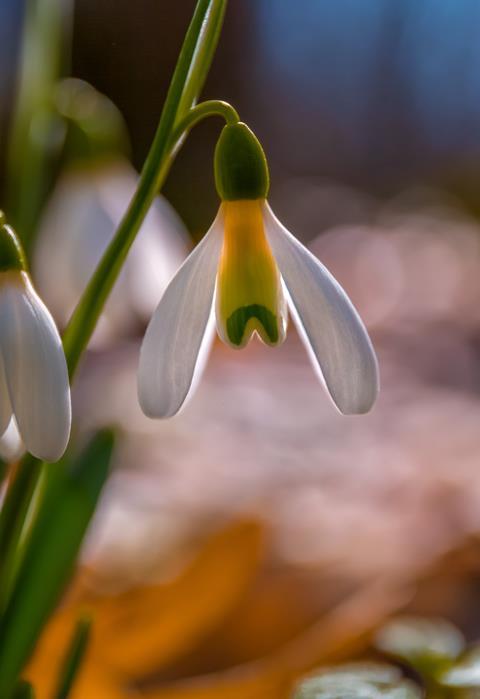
[175,335]
[330,325]
[35,370]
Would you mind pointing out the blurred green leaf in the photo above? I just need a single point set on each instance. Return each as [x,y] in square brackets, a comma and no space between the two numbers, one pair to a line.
[358,681]
[72,489]
[428,645]
[36,133]
[14,513]
[23,690]
[74,658]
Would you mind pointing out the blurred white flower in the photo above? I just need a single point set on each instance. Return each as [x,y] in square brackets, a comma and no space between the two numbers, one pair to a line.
[78,224]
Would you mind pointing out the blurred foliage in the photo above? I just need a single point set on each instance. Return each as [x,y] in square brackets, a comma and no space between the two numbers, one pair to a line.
[74,658]
[51,538]
[153,640]
[23,690]
[161,639]
[428,649]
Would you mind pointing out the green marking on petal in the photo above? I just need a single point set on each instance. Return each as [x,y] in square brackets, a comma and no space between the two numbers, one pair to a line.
[238,321]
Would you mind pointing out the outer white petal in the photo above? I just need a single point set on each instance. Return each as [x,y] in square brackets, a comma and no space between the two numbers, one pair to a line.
[328,322]
[35,370]
[176,332]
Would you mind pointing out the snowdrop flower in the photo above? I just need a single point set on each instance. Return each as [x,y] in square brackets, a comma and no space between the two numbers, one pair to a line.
[34,386]
[80,221]
[254,269]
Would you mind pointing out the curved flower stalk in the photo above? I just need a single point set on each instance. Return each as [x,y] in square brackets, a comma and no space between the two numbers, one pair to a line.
[34,386]
[79,223]
[250,268]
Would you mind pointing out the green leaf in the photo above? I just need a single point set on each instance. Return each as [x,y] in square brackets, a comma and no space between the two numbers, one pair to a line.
[68,503]
[23,690]
[358,681]
[429,645]
[74,658]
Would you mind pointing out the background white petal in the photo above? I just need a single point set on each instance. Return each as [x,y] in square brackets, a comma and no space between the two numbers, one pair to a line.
[171,347]
[80,220]
[328,322]
[35,370]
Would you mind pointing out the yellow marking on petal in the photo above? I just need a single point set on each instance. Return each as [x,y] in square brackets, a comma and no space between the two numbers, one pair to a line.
[249,290]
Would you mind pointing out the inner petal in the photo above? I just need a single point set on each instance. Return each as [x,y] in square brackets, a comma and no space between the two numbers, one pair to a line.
[249,297]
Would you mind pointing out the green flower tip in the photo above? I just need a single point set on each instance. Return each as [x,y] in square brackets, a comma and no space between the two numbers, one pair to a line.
[12,256]
[241,170]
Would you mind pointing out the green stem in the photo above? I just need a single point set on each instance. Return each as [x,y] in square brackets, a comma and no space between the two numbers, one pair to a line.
[159,160]
[200,66]
[203,111]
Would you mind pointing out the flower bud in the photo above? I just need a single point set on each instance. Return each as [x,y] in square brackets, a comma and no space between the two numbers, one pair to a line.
[241,170]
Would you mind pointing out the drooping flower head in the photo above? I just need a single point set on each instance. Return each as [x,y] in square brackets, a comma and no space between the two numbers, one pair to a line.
[34,386]
[250,269]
